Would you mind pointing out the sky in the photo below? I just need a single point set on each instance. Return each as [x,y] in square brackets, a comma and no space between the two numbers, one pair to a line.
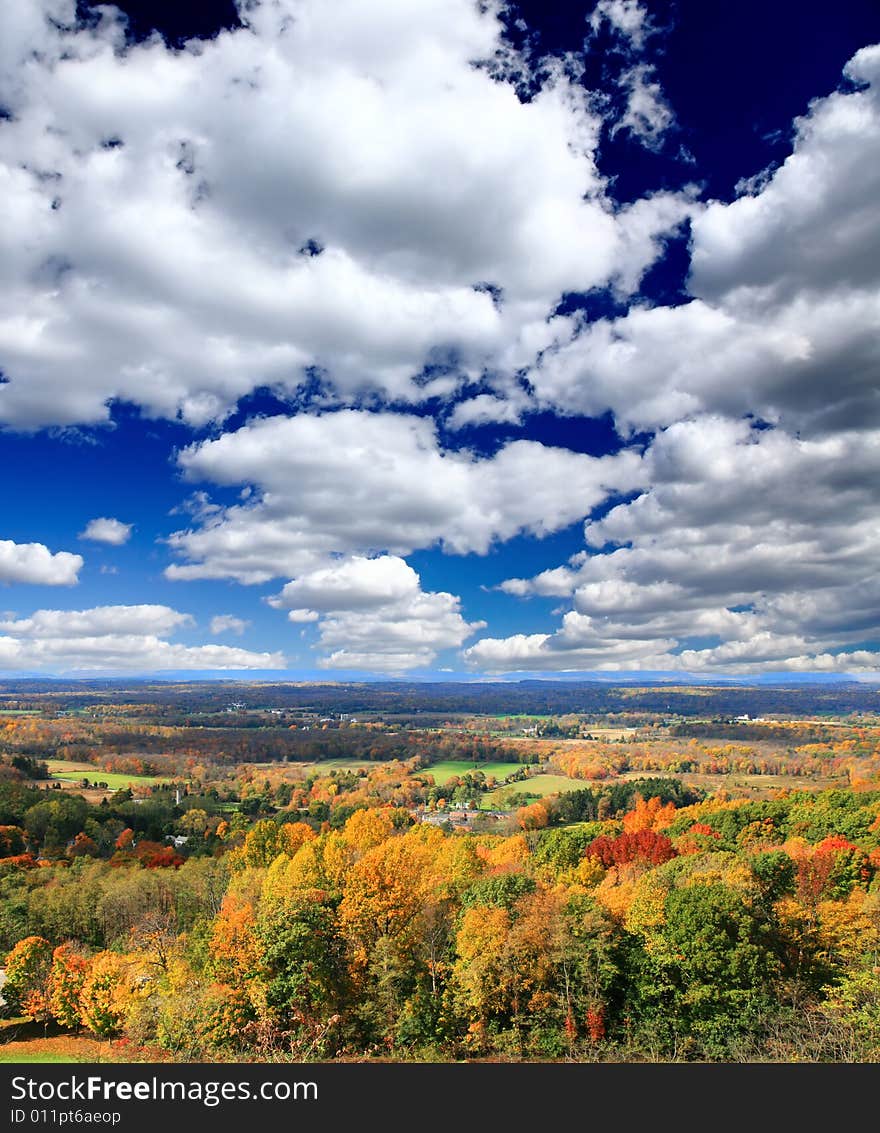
[426,338]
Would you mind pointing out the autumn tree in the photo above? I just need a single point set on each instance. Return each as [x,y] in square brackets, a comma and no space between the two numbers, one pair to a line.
[105,990]
[709,977]
[646,847]
[648,814]
[28,970]
[66,980]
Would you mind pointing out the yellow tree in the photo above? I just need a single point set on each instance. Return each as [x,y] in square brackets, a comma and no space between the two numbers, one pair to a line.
[383,892]
[505,855]
[850,929]
[650,814]
[261,843]
[293,835]
[319,865]
[525,970]
[69,970]
[477,973]
[368,828]
[102,999]
[233,947]
[392,936]
[28,969]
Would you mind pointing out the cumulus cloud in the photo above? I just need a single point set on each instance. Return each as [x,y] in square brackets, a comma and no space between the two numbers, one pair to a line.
[355,584]
[302,616]
[34,563]
[373,614]
[330,187]
[359,197]
[106,530]
[785,319]
[648,115]
[228,623]
[115,639]
[98,622]
[755,544]
[486,408]
[760,545]
[354,482]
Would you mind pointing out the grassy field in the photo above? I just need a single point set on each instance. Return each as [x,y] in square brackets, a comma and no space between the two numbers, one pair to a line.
[23,1040]
[325,766]
[276,771]
[737,783]
[67,1048]
[66,771]
[757,786]
[446,769]
[538,785]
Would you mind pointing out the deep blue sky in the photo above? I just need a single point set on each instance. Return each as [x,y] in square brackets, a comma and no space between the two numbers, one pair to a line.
[733,76]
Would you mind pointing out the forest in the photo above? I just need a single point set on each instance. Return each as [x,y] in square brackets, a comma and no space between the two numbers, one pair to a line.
[648,888]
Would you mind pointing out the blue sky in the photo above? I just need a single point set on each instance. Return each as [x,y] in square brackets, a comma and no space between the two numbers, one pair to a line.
[386,338]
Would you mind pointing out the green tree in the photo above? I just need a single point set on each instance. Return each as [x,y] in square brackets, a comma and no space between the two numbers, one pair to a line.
[719,966]
[28,968]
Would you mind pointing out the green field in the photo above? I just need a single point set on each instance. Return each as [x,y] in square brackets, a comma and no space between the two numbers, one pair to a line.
[448,768]
[537,785]
[69,772]
[17,1056]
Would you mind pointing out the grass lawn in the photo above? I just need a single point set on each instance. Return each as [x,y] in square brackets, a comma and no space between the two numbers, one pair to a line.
[23,1040]
[443,771]
[539,785]
[67,771]
[66,1048]
[16,1053]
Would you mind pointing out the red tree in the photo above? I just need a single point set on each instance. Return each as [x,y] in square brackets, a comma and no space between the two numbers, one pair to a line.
[644,846]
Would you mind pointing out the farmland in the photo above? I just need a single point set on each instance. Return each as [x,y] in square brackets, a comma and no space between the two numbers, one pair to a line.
[71,772]
[539,786]
[437,882]
[445,770]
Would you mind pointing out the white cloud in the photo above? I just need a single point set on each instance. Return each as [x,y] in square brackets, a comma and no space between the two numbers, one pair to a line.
[752,548]
[301,616]
[648,115]
[785,320]
[373,614]
[813,224]
[98,622]
[35,564]
[354,482]
[106,530]
[355,584]
[158,208]
[228,623]
[115,639]
[404,635]
[485,409]
[628,18]
[157,203]
[721,548]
